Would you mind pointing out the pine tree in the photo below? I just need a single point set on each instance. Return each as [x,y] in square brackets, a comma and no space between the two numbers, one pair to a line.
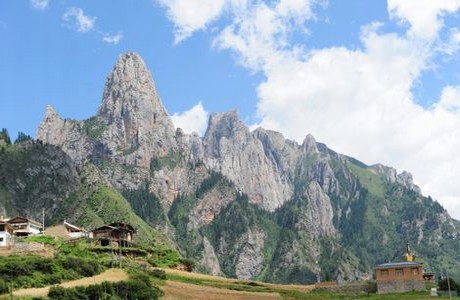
[4,135]
[22,137]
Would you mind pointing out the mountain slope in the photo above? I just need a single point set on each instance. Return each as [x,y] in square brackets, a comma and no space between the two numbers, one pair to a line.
[252,204]
[34,176]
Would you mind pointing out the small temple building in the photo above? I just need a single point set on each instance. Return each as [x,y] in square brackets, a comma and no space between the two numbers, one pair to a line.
[398,277]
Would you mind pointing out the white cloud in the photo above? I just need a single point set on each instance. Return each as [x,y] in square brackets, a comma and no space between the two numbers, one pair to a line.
[113,39]
[260,33]
[358,101]
[453,44]
[39,4]
[75,18]
[190,16]
[192,120]
[423,16]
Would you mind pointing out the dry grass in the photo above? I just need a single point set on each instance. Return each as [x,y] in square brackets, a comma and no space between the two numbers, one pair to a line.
[291,287]
[179,290]
[185,285]
[112,275]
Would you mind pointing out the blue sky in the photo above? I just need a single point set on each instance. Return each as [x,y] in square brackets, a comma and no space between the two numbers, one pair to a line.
[377,80]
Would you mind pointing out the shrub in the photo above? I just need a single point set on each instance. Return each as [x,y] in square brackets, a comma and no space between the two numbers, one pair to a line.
[129,290]
[159,273]
[188,264]
[444,286]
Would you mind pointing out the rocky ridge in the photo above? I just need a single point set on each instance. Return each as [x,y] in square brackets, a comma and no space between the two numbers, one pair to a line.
[249,204]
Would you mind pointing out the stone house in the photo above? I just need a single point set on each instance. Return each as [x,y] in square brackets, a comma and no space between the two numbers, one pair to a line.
[398,277]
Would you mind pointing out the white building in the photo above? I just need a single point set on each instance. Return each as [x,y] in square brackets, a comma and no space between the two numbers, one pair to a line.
[24,227]
[6,233]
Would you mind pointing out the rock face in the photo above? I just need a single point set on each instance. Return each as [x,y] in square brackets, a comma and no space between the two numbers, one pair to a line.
[250,204]
[230,148]
[131,110]
[250,260]
[65,133]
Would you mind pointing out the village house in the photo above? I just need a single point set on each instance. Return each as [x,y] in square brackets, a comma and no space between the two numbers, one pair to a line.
[67,231]
[116,234]
[397,277]
[23,226]
[6,234]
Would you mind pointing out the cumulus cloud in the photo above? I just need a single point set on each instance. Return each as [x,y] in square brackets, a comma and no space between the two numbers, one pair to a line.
[192,120]
[76,19]
[113,38]
[423,16]
[358,101]
[39,4]
[190,16]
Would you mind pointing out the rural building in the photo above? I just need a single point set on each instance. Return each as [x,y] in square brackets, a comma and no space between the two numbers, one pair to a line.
[403,276]
[67,231]
[6,233]
[23,226]
[116,234]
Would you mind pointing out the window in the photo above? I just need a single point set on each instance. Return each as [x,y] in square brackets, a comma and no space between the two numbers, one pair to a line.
[384,272]
[399,272]
[414,271]
[1,239]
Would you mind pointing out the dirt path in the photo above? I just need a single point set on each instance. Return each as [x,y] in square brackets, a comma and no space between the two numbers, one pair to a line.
[112,275]
[178,290]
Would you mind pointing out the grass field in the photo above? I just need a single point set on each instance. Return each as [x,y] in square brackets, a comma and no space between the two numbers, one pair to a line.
[184,285]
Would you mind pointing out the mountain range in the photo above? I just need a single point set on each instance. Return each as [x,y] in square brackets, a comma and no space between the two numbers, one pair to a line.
[240,203]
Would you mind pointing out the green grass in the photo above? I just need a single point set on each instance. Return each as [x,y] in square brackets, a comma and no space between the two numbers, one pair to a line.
[45,239]
[368,179]
[170,161]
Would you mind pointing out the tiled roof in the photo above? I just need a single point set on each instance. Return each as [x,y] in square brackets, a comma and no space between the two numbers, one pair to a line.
[399,264]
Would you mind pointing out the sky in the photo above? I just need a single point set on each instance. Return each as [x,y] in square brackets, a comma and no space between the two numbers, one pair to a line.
[377,80]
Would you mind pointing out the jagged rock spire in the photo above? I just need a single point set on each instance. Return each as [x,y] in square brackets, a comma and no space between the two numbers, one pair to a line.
[131,107]
[130,86]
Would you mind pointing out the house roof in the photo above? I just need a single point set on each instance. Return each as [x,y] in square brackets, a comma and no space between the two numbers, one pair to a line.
[117,226]
[399,265]
[104,227]
[74,227]
[122,225]
[20,219]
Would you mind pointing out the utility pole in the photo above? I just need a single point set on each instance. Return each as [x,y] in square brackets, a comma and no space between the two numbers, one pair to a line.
[448,284]
[43,220]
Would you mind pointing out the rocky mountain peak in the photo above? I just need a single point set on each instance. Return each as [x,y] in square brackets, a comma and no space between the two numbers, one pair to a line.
[130,86]
[226,124]
[50,123]
[309,144]
[131,108]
